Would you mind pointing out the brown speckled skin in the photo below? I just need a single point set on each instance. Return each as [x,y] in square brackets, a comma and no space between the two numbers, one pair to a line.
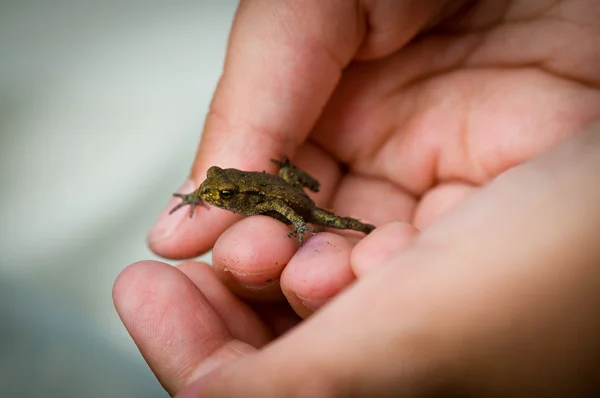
[279,196]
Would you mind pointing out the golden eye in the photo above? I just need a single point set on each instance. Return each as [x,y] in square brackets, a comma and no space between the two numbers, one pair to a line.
[225,194]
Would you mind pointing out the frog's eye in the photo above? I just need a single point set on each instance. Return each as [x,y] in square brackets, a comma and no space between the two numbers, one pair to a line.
[225,194]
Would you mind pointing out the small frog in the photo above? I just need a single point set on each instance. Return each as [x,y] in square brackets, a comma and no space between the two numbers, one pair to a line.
[279,196]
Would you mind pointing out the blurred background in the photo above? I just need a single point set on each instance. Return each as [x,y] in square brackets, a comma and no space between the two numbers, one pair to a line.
[101,107]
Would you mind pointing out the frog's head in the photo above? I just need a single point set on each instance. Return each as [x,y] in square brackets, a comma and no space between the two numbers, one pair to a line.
[219,189]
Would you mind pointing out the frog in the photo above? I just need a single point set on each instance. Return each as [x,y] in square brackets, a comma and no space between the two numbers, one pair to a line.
[281,196]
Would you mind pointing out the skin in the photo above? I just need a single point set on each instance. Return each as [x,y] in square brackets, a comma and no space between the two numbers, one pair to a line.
[282,197]
[475,148]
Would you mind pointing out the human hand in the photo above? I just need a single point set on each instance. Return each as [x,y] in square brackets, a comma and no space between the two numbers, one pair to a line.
[419,127]
[497,298]
[395,127]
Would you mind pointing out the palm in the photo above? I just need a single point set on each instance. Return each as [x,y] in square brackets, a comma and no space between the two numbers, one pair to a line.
[423,126]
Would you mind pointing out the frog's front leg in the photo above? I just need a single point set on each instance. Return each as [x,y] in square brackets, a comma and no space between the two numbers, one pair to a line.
[326,218]
[282,208]
[192,199]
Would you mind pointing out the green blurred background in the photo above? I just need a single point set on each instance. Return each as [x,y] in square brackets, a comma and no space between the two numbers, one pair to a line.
[101,107]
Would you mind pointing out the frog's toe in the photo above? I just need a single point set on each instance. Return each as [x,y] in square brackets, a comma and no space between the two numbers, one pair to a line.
[299,232]
[188,199]
[179,206]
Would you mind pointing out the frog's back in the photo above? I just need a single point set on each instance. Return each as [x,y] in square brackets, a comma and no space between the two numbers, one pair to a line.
[271,187]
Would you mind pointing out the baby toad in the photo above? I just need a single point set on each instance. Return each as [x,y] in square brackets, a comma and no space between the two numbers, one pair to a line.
[279,196]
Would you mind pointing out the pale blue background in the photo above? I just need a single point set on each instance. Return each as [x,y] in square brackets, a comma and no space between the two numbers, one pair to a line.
[101,107]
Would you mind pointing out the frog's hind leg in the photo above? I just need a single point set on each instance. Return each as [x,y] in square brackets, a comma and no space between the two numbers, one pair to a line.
[295,176]
[284,212]
[326,218]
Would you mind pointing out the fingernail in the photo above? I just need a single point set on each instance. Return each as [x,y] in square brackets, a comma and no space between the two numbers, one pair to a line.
[253,280]
[167,223]
[259,286]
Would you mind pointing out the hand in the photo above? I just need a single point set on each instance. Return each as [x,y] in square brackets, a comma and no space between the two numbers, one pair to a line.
[420,124]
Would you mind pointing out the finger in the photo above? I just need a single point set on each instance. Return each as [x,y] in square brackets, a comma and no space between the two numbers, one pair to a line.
[439,200]
[317,273]
[372,200]
[241,321]
[282,64]
[380,245]
[279,317]
[172,322]
[256,259]
[249,256]
[526,307]
[254,323]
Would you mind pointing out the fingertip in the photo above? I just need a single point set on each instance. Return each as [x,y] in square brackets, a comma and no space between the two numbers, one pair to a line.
[168,220]
[171,322]
[129,280]
[243,323]
[193,236]
[249,257]
[380,245]
[318,271]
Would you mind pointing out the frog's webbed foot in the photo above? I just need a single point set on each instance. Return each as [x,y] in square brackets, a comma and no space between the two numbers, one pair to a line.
[295,176]
[299,230]
[188,199]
